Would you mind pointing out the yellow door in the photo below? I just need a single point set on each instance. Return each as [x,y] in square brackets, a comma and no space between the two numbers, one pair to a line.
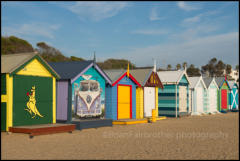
[124,102]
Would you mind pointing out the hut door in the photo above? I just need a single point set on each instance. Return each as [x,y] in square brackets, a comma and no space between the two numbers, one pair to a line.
[224,98]
[213,100]
[182,99]
[3,116]
[149,101]
[124,102]
[199,99]
[32,100]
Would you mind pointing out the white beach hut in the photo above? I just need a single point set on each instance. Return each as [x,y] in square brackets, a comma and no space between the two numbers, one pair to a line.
[212,94]
[198,95]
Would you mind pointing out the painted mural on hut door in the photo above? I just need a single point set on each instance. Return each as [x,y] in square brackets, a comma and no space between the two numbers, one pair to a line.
[88,95]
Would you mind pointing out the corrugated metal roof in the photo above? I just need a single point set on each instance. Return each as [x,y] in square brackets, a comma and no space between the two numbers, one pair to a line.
[207,81]
[69,70]
[170,76]
[141,75]
[11,62]
[114,74]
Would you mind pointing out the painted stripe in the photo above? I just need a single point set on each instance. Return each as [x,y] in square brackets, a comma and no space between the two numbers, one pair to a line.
[130,76]
[4,98]
[166,94]
[166,109]
[166,98]
[9,101]
[54,100]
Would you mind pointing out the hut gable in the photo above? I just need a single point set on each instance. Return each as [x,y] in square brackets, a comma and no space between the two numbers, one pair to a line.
[196,82]
[26,64]
[146,77]
[173,77]
[117,75]
[73,70]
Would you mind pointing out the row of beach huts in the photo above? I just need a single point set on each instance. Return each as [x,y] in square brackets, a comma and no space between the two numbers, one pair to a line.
[35,92]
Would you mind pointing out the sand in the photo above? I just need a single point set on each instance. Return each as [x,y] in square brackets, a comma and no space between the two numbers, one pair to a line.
[195,137]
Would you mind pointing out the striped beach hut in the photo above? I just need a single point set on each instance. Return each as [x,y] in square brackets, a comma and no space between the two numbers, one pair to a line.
[28,91]
[121,95]
[233,95]
[80,91]
[223,93]
[147,94]
[174,99]
[212,94]
[198,95]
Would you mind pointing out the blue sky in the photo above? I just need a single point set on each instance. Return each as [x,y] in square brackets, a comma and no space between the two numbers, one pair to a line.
[170,32]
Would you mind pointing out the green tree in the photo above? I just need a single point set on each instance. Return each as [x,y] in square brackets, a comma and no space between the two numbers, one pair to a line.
[169,67]
[228,69]
[116,64]
[74,58]
[220,66]
[184,65]
[214,68]
[50,54]
[237,67]
[12,45]
[193,71]
[178,66]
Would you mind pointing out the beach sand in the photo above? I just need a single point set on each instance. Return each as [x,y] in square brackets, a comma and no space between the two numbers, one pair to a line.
[194,137]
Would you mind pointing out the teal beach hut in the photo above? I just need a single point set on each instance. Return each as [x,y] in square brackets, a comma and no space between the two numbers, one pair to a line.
[173,100]
[233,95]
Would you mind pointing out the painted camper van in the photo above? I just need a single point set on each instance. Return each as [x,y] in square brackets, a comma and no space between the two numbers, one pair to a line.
[87,98]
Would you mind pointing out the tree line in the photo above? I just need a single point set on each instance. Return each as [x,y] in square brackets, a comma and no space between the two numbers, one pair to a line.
[12,44]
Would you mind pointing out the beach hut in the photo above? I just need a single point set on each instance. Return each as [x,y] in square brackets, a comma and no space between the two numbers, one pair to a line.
[28,91]
[233,95]
[198,95]
[174,99]
[121,95]
[223,93]
[147,94]
[212,94]
[81,93]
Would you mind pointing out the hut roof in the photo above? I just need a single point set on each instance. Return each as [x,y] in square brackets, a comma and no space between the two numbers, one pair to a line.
[114,74]
[231,83]
[69,70]
[219,80]
[73,69]
[195,80]
[207,81]
[141,75]
[171,76]
[12,63]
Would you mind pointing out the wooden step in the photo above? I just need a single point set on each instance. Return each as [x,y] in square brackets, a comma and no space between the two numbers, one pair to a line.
[43,129]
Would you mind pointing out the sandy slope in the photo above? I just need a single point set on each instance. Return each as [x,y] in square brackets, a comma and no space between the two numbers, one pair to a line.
[195,137]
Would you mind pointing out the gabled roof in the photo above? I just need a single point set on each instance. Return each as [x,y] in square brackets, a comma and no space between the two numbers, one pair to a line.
[69,70]
[141,75]
[12,63]
[219,80]
[74,69]
[232,83]
[194,81]
[209,80]
[114,74]
[117,74]
[171,77]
